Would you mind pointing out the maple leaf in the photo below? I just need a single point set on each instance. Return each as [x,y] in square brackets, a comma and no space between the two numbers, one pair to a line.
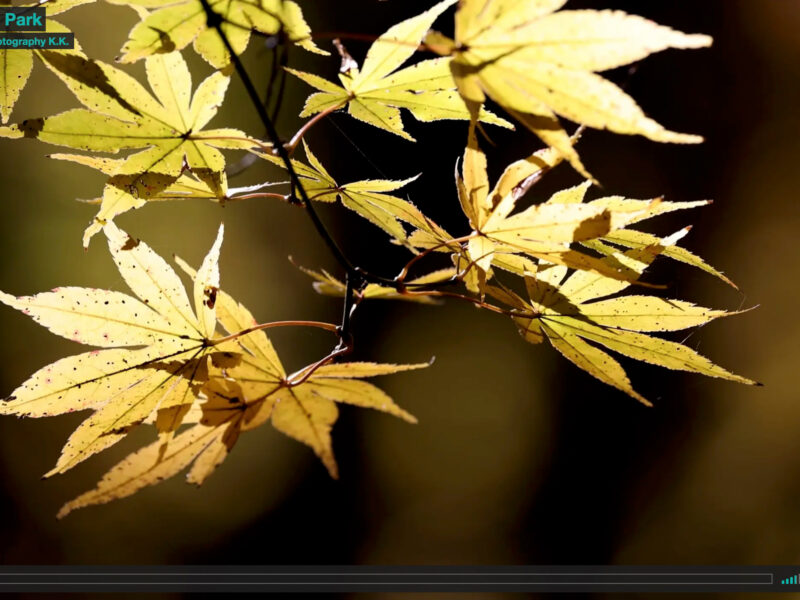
[546,231]
[307,411]
[174,24]
[205,445]
[368,198]
[631,238]
[121,114]
[573,311]
[243,397]
[16,65]
[154,352]
[539,64]
[301,405]
[376,93]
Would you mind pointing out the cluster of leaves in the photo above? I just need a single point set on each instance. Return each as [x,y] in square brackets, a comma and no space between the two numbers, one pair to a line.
[178,371]
[556,269]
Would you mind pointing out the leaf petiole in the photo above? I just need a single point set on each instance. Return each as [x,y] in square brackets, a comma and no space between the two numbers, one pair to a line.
[275,324]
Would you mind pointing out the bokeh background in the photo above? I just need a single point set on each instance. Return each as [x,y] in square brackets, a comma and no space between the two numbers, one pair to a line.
[518,456]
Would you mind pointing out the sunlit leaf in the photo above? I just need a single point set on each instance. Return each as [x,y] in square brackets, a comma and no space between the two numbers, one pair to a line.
[120,114]
[539,64]
[576,315]
[368,198]
[328,285]
[174,25]
[155,348]
[377,92]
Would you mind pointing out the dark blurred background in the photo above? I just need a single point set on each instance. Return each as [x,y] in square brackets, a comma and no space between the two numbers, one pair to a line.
[518,456]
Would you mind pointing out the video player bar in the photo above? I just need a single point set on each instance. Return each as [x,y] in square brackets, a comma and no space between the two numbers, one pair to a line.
[695,579]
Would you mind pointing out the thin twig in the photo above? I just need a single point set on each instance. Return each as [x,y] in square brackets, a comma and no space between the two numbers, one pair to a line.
[261,326]
[309,370]
[404,272]
[215,21]
[291,145]
[345,335]
[282,197]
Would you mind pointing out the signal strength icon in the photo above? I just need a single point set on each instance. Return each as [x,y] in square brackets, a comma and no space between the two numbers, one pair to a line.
[794,580]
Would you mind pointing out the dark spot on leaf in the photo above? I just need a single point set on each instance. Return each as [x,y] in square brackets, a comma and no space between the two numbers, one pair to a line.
[211,296]
[130,244]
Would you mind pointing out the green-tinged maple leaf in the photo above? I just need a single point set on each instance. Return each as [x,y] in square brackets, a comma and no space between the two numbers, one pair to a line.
[154,352]
[368,198]
[15,69]
[328,285]
[539,64]
[174,24]
[579,312]
[120,114]
[377,92]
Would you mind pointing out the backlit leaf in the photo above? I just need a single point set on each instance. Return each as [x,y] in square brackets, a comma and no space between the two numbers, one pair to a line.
[367,198]
[174,25]
[577,315]
[377,93]
[539,64]
[168,127]
[156,349]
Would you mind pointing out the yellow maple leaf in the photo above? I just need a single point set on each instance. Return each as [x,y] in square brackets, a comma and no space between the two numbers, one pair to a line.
[155,349]
[16,64]
[631,238]
[206,444]
[547,231]
[368,198]
[376,93]
[302,404]
[120,114]
[540,64]
[174,25]
[328,285]
[186,187]
[576,313]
